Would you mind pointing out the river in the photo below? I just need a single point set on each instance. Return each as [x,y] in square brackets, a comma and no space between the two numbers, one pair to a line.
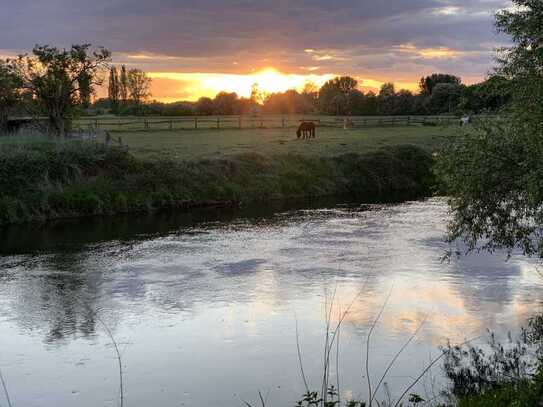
[204,306]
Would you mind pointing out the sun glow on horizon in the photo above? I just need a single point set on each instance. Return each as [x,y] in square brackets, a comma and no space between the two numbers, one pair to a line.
[195,85]
[176,86]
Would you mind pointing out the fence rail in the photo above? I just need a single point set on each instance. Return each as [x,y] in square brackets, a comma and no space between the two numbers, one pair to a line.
[269,122]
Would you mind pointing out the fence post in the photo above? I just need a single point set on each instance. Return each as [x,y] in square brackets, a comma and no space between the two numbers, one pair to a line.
[218,122]
[171,125]
[195,123]
[96,123]
[239,122]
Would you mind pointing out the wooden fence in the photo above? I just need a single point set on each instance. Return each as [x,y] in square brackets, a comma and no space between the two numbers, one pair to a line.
[262,122]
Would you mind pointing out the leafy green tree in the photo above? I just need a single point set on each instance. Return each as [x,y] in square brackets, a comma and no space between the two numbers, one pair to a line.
[340,104]
[10,84]
[345,84]
[59,79]
[289,102]
[404,103]
[489,96]
[386,99]
[370,105]
[522,64]
[335,93]
[494,174]
[357,103]
[114,89]
[123,85]
[226,103]
[205,106]
[85,90]
[445,98]
[428,83]
[310,93]
[139,87]
[257,95]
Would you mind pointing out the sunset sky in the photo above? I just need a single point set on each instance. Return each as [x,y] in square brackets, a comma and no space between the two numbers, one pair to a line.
[198,47]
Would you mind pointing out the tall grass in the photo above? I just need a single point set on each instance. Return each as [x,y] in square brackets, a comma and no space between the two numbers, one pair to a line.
[42,179]
[5,390]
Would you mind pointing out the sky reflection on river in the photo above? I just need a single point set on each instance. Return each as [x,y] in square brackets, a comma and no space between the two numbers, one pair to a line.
[206,313]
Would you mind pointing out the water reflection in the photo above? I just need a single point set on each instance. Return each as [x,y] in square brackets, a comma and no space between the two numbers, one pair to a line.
[202,303]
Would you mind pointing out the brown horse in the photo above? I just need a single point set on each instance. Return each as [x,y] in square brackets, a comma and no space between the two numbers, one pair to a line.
[306,130]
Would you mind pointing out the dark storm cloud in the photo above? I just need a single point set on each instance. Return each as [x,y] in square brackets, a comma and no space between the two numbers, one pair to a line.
[213,34]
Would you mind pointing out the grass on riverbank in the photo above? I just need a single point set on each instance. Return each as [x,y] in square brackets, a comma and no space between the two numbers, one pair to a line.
[48,179]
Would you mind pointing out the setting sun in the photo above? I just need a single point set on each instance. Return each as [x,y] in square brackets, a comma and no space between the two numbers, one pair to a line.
[196,85]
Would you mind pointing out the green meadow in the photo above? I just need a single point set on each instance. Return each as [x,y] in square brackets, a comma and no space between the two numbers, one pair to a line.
[217,143]
[45,178]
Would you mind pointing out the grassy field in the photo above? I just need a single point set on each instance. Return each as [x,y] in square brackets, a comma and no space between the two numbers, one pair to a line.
[213,143]
[45,179]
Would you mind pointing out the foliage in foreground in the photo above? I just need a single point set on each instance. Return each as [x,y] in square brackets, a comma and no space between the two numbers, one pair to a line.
[498,374]
[508,374]
[50,179]
[494,175]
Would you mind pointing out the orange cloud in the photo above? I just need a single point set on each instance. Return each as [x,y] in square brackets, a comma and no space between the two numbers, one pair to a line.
[430,53]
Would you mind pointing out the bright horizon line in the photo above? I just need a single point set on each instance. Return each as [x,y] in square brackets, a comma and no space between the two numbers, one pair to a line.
[190,86]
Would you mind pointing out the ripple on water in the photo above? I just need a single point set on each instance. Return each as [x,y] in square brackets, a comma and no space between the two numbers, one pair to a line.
[218,302]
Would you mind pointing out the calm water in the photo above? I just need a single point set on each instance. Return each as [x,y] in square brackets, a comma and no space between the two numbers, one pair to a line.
[204,306]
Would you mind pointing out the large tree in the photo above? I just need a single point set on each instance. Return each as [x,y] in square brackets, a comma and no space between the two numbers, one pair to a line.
[334,95]
[522,64]
[445,97]
[386,99]
[226,104]
[114,90]
[494,174]
[123,84]
[486,97]
[428,83]
[85,89]
[289,102]
[10,84]
[60,79]
[139,87]
[204,106]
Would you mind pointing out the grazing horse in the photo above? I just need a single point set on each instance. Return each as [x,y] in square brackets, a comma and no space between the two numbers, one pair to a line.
[306,130]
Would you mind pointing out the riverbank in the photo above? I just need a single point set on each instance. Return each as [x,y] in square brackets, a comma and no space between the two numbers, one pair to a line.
[47,180]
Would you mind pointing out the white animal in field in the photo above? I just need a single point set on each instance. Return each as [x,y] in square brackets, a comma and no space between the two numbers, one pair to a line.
[348,123]
[465,120]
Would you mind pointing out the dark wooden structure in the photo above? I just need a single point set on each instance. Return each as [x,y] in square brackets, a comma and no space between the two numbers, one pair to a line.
[14,124]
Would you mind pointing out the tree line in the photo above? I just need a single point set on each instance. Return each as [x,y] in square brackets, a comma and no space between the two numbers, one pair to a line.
[59,84]
[438,94]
